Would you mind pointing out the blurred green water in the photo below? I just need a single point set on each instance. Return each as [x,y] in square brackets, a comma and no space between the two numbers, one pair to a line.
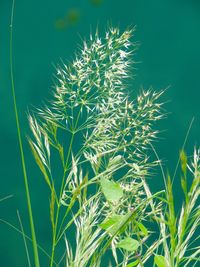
[169,54]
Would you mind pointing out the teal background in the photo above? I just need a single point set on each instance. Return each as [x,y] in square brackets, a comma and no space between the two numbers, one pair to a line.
[47,31]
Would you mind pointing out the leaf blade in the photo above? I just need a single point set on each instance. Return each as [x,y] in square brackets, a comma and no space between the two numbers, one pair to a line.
[111,190]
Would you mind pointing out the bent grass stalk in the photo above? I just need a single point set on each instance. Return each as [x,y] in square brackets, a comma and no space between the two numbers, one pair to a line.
[34,241]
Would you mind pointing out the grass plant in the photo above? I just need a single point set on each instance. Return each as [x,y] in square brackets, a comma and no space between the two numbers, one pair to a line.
[93,145]
[106,149]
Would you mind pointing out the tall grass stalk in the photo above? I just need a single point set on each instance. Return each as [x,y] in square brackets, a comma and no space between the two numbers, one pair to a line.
[34,241]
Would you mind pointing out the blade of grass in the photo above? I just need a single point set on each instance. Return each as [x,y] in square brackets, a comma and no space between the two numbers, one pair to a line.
[26,236]
[183,147]
[35,250]
[171,214]
[24,239]
[6,197]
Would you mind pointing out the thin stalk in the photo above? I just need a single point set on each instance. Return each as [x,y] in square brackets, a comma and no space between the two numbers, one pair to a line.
[24,239]
[138,257]
[58,208]
[34,243]
[183,146]
[54,242]
[27,237]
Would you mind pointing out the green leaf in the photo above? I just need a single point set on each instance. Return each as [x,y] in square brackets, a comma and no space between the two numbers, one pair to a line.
[113,223]
[128,244]
[143,229]
[132,264]
[111,190]
[159,260]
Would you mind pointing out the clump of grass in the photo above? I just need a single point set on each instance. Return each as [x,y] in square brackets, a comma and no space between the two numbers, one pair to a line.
[101,139]
[112,133]
[179,230]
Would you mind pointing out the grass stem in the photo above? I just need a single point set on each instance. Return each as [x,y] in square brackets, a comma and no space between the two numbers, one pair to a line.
[35,249]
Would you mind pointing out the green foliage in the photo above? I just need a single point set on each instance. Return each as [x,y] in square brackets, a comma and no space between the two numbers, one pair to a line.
[128,244]
[135,263]
[112,190]
[181,228]
[114,223]
[159,261]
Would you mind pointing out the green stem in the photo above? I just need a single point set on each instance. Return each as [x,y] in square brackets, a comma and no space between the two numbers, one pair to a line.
[54,238]
[58,208]
[54,242]
[35,249]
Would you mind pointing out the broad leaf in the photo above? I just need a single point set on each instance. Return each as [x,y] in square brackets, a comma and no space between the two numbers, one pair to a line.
[111,190]
[128,244]
[159,261]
